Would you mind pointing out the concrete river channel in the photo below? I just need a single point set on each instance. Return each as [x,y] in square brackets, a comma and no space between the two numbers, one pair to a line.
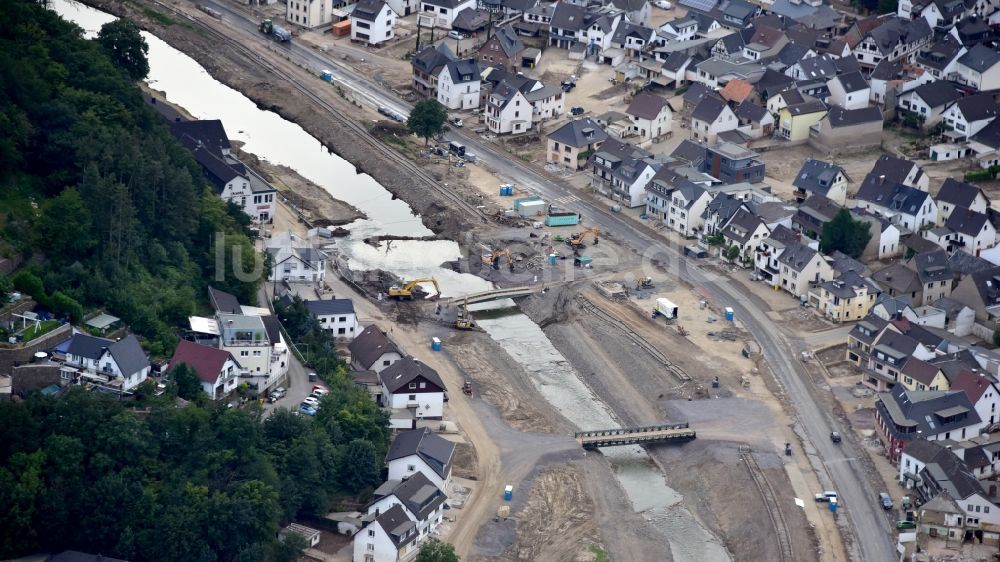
[186,83]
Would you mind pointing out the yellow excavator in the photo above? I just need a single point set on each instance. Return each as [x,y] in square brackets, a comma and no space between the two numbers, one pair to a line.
[406,291]
[464,320]
[576,241]
[493,260]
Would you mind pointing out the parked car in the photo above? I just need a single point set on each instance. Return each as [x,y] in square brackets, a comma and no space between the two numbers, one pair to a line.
[906,524]
[663,4]
[276,394]
[320,391]
[826,496]
[307,410]
[885,500]
[319,387]
[577,110]
[835,436]
[455,34]
[311,401]
[568,85]
[457,122]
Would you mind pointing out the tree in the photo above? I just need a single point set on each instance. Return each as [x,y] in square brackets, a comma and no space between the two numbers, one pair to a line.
[6,288]
[64,228]
[437,551]
[715,239]
[187,382]
[996,337]
[427,119]
[360,466]
[731,252]
[888,6]
[125,47]
[29,284]
[845,234]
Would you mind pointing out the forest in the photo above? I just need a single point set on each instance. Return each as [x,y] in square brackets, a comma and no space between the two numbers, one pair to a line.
[92,184]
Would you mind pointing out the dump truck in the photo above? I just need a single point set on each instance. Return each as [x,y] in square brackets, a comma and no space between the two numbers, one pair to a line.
[276,32]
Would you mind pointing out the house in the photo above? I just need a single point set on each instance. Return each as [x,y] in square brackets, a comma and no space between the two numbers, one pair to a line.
[310,14]
[682,29]
[503,50]
[222,301]
[444,12]
[371,350]
[736,91]
[956,194]
[422,501]
[928,101]
[427,66]
[950,477]
[766,42]
[861,338]
[295,260]
[336,316]
[849,91]
[744,231]
[919,375]
[822,178]
[687,204]
[902,171]
[218,370]
[935,276]
[738,14]
[783,99]
[420,450]
[247,339]
[567,25]
[800,267]
[901,204]
[847,298]
[979,68]
[732,163]
[471,22]
[119,365]
[903,415]
[754,120]
[894,39]
[939,14]
[458,84]
[632,38]
[940,59]
[842,130]
[636,11]
[711,117]
[390,537]
[898,280]
[573,143]
[651,116]
[970,114]
[622,171]
[508,110]
[813,213]
[974,231]
[795,121]
[409,384]
[982,391]
[373,22]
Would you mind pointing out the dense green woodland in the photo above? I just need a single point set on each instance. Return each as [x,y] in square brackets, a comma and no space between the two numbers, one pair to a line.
[91,178]
[93,183]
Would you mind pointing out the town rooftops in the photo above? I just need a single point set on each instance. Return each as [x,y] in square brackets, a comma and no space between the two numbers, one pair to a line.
[966,221]
[696,93]
[397,376]
[432,59]
[462,71]
[222,301]
[749,111]
[852,81]
[568,16]
[510,43]
[980,58]
[892,169]
[978,107]
[898,277]
[330,306]
[206,361]
[435,450]
[420,496]
[579,133]
[958,193]
[937,93]
[973,384]
[646,106]
[817,176]
[933,266]
[797,256]
[207,132]
[369,345]
[895,30]
[709,109]
[690,151]
[891,195]
[951,475]
[811,105]
[398,526]
[927,412]
[368,10]
[920,371]
[940,54]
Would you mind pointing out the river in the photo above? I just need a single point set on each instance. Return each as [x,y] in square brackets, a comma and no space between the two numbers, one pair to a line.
[186,83]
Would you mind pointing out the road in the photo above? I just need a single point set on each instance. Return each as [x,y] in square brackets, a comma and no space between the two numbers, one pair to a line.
[872,534]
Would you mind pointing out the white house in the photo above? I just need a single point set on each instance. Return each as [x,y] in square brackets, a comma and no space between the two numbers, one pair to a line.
[601,29]
[956,194]
[508,110]
[850,91]
[687,205]
[928,101]
[246,338]
[980,68]
[971,114]
[711,117]
[973,230]
[982,393]
[409,384]
[309,13]
[682,29]
[422,501]
[823,178]
[420,450]
[458,85]
[372,22]
[218,370]
[744,231]
[901,204]
[801,266]
[336,316]
[295,260]
[444,11]
[120,365]
[371,350]
[390,537]
[651,116]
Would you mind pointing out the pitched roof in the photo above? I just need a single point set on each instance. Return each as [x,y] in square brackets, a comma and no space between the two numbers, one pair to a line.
[899,278]
[742,226]
[929,412]
[689,150]
[579,133]
[207,132]
[330,306]
[568,16]
[937,93]
[750,111]
[222,301]
[920,371]
[940,54]
[398,526]
[966,221]
[807,107]
[510,42]
[206,361]
[973,384]
[958,193]
[990,135]
[646,106]
[398,375]
[435,450]
[432,59]
[852,81]
[978,107]
[128,354]
[817,176]
[695,93]
[736,91]
[840,117]
[933,266]
[980,58]
[891,195]
[368,10]
[85,345]
[709,109]
[369,345]
[892,168]
[797,256]
[887,69]
[462,71]
[420,496]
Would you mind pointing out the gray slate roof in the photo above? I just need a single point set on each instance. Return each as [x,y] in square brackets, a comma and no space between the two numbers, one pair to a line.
[891,195]
[368,10]
[840,117]
[646,106]
[978,107]
[980,58]
[462,71]
[817,176]
[958,193]
[435,450]
[937,93]
[579,133]
[966,221]
[224,302]
[330,306]
[709,109]
[397,376]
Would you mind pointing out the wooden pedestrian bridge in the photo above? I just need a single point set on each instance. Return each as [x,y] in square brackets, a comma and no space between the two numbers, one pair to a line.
[664,433]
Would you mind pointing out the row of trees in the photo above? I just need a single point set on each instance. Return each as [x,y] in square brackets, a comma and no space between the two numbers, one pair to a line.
[92,178]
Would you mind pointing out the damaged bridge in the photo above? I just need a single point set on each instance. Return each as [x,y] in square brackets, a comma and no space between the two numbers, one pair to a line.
[664,433]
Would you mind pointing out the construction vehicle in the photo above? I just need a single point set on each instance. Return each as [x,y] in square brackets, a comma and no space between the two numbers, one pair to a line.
[467,388]
[464,320]
[644,283]
[406,291]
[576,241]
[275,32]
[493,260]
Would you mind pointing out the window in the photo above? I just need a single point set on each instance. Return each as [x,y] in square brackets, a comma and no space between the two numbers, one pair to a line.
[423,385]
[411,467]
[412,397]
[386,363]
[244,353]
[412,385]
[371,546]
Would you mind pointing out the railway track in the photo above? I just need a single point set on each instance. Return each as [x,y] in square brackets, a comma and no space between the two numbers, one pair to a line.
[254,57]
[771,503]
[635,338]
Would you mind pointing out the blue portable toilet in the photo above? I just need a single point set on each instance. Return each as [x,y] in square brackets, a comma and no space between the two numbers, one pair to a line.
[508,493]
[326,75]
[730,315]
[833,505]
[552,259]
[436,344]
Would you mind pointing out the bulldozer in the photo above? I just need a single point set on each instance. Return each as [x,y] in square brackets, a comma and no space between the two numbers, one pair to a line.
[493,260]
[406,291]
[576,241]
[464,320]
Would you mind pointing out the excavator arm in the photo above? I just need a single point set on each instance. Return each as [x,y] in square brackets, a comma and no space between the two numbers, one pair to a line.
[406,291]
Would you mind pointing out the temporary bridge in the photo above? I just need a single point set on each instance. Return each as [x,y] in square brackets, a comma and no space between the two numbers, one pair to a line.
[496,294]
[635,435]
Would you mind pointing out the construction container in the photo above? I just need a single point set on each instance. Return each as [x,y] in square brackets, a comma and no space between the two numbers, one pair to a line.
[561,218]
[730,315]
[341,28]
[531,209]
[525,200]
[326,75]
[436,344]
[508,493]
[666,308]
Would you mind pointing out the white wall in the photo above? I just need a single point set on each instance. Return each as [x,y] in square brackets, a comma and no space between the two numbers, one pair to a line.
[340,325]
[430,404]
[405,467]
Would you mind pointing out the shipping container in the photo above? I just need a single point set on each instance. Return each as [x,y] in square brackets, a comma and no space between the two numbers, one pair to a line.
[531,209]
[341,28]
[666,308]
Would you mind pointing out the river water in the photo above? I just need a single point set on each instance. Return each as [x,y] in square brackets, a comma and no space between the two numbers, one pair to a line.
[269,136]
[272,138]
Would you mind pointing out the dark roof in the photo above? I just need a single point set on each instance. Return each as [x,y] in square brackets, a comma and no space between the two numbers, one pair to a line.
[431,59]
[129,356]
[940,54]
[818,67]
[690,151]
[568,16]
[407,370]
[792,53]
[740,10]
[206,361]
[980,58]
[435,450]
[963,263]
[209,133]
[926,411]
[817,176]
[709,109]
[990,135]
[951,475]
[626,29]
[933,266]
[224,302]
[750,111]
[579,133]
[987,284]
[331,306]
[844,286]
[899,278]
[891,195]
[807,107]
[695,93]
[840,117]
[509,41]
[273,328]
[937,93]
[398,526]
[892,168]
[852,81]
[471,20]
[444,3]
[466,70]
[742,226]
[646,106]
[791,96]
[772,81]
[369,345]
[368,10]
[797,256]
[894,30]
[966,221]
[887,69]
[958,193]
[675,61]
[978,107]
[85,345]
[420,496]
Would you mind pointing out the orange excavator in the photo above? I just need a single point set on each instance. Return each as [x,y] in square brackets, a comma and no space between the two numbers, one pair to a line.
[406,291]
[576,241]
[493,260]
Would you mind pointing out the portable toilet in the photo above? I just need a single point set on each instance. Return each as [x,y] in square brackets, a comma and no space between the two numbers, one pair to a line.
[436,344]
[326,75]
[730,315]
[508,493]
[833,505]
[552,259]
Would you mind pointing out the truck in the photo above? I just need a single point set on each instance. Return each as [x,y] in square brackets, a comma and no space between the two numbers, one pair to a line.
[666,308]
[276,32]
